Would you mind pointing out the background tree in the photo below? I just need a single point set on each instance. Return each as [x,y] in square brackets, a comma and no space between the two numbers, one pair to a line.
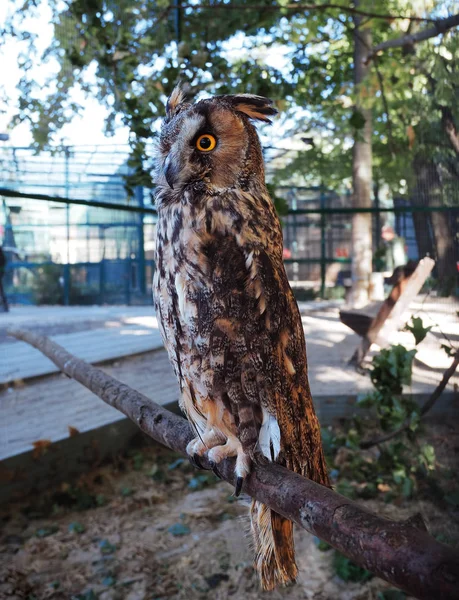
[331,78]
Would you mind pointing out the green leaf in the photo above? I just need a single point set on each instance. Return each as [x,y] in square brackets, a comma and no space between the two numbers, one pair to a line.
[321,545]
[179,529]
[449,350]
[138,461]
[46,531]
[428,456]
[417,329]
[157,474]
[76,527]
[175,464]
[349,571]
[345,488]
[453,498]
[106,547]
[392,594]
[101,500]
[89,595]
[201,481]
[407,487]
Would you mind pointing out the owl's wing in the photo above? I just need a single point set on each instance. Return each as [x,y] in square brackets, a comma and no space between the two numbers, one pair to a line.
[257,353]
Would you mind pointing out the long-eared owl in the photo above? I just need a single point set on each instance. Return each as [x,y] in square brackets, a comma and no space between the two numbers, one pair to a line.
[227,314]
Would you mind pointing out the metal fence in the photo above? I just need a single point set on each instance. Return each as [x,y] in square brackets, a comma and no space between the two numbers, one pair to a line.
[64,251]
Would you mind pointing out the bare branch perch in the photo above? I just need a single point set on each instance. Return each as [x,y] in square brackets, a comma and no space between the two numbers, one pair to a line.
[406,41]
[399,552]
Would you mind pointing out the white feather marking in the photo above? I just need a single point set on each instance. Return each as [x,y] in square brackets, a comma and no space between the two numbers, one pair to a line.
[186,308]
[249,260]
[269,438]
[180,287]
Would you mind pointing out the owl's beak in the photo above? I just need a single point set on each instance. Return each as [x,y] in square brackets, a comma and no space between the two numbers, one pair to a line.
[170,172]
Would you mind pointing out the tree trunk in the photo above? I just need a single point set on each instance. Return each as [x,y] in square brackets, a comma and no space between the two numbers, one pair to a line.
[362,250]
[429,193]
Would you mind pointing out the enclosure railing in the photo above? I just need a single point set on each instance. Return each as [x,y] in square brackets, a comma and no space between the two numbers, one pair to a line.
[95,252]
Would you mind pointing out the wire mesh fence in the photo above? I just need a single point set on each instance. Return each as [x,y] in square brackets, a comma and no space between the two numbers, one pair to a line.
[72,233]
[62,253]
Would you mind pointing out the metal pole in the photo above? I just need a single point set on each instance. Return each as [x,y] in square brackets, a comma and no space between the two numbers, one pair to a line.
[141,241]
[67,218]
[323,254]
[102,268]
[377,240]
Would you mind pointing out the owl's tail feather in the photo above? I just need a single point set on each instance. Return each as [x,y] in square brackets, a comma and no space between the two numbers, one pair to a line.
[274,547]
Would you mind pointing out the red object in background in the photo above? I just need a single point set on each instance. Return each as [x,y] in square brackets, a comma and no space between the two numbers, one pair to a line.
[342,253]
[286,253]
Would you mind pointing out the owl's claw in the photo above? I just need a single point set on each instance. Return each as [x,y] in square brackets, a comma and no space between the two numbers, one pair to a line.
[238,488]
[213,466]
[195,461]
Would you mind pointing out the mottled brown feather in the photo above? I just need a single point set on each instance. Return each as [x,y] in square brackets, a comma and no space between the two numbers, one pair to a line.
[227,314]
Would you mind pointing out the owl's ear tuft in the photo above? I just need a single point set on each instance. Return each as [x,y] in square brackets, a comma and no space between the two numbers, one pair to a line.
[175,100]
[255,107]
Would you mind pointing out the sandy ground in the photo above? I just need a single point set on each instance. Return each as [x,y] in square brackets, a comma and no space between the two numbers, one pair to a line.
[148,526]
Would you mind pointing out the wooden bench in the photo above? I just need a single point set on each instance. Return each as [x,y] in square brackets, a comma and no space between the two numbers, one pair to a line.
[377,321]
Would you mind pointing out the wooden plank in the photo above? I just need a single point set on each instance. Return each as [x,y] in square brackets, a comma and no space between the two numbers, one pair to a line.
[407,284]
[411,290]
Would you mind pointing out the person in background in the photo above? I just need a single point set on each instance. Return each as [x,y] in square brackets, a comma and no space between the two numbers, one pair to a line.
[395,254]
[2,273]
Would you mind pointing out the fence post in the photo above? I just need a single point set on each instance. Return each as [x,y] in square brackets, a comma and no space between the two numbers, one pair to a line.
[127,277]
[141,261]
[67,224]
[323,255]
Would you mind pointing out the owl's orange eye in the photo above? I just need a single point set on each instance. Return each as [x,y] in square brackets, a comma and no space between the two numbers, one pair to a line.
[206,142]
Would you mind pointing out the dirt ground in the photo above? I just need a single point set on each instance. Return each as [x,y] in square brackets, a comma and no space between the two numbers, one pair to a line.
[148,527]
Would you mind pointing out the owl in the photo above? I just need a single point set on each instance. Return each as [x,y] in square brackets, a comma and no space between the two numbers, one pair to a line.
[227,314]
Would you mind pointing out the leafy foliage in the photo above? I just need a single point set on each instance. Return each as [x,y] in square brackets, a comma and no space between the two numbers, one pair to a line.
[391,371]
[395,467]
[130,53]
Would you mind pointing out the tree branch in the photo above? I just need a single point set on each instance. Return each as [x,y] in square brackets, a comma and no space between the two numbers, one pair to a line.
[425,408]
[399,552]
[301,7]
[438,27]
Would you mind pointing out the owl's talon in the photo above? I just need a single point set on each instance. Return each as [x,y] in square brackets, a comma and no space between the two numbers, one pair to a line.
[213,466]
[238,488]
[195,461]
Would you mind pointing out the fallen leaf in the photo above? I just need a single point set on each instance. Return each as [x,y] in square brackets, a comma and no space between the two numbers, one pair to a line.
[383,487]
[40,447]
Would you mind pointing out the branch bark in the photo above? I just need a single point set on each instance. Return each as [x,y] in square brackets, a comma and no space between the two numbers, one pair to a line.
[425,408]
[402,553]
[408,41]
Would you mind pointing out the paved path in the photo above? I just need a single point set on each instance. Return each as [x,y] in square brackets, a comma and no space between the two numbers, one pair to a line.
[21,361]
[44,409]
[33,409]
